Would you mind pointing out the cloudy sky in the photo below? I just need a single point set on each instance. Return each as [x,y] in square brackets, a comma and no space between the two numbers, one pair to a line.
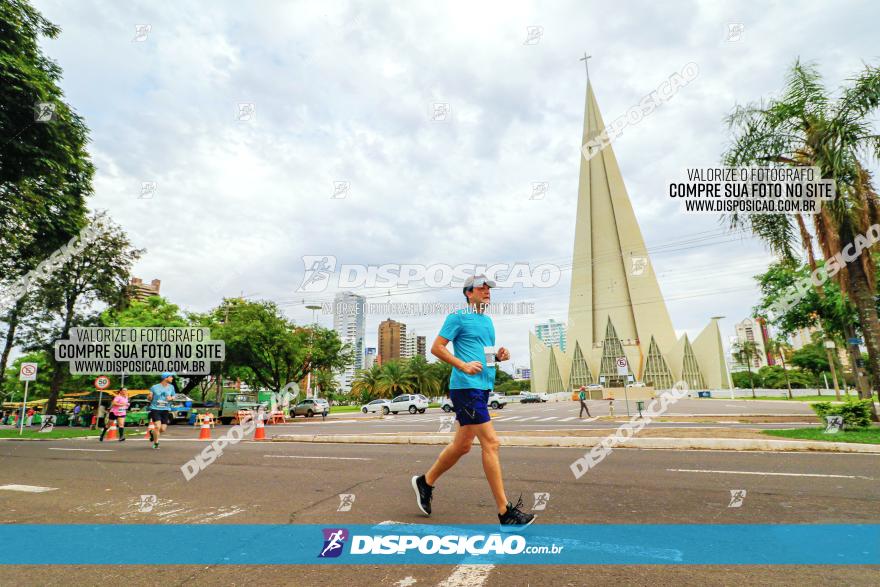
[345,92]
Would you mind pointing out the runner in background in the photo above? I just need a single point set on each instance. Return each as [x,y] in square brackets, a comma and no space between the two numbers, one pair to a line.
[160,406]
[118,409]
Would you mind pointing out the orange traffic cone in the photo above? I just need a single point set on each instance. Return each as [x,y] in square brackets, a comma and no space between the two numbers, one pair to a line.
[150,429]
[111,432]
[205,433]
[260,430]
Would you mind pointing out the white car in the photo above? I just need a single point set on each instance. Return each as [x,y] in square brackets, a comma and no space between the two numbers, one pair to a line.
[596,386]
[496,400]
[411,403]
[377,405]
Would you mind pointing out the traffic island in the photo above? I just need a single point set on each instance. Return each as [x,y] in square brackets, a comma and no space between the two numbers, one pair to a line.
[682,439]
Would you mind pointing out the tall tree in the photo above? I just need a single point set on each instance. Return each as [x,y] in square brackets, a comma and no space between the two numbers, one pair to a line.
[811,357]
[45,171]
[396,379]
[778,347]
[424,379]
[745,353]
[67,297]
[368,383]
[805,127]
[272,350]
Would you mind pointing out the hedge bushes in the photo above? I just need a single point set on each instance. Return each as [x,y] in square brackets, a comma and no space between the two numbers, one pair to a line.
[856,414]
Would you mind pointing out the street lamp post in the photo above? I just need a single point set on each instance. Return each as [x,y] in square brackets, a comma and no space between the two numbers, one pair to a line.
[314,308]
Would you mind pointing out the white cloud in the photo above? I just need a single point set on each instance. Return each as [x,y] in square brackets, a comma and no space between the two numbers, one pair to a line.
[344,91]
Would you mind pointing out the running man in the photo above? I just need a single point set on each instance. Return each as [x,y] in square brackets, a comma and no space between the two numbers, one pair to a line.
[473,377]
[118,408]
[160,406]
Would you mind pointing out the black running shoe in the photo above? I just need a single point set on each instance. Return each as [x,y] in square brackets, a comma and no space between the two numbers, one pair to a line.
[424,493]
[514,518]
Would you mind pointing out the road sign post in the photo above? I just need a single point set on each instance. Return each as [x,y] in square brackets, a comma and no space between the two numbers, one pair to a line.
[623,371]
[102,382]
[27,373]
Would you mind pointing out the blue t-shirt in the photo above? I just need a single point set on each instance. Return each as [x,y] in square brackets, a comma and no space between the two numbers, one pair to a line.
[469,333]
[161,397]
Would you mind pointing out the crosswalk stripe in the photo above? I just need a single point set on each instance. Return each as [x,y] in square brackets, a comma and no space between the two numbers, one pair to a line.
[569,419]
[529,418]
[27,488]
[547,419]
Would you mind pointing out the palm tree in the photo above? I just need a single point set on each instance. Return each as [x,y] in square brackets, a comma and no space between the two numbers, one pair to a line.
[805,127]
[780,346]
[424,378]
[442,372]
[325,381]
[367,383]
[744,352]
[395,379]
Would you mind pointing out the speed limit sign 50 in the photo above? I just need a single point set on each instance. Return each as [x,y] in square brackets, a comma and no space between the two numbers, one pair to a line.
[102,382]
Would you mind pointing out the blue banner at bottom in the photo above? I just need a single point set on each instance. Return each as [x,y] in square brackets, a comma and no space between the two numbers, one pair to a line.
[267,544]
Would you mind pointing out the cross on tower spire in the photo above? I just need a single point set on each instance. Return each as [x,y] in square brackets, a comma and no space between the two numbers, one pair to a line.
[586,64]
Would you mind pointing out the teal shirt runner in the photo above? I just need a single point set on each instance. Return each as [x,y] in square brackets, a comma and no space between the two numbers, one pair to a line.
[470,333]
[161,397]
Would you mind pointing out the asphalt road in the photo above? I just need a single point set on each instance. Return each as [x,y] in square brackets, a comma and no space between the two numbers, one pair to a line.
[300,483]
[552,416]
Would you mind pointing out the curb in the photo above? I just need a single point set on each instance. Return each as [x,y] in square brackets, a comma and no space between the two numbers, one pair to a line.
[735,444]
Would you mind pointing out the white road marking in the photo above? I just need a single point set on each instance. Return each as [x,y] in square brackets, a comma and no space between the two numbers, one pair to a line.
[467,576]
[776,474]
[569,419]
[85,449]
[330,458]
[529,418]
[27,488]
[548,419]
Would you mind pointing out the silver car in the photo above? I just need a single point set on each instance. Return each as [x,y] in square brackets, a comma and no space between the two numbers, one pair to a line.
[310,407]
